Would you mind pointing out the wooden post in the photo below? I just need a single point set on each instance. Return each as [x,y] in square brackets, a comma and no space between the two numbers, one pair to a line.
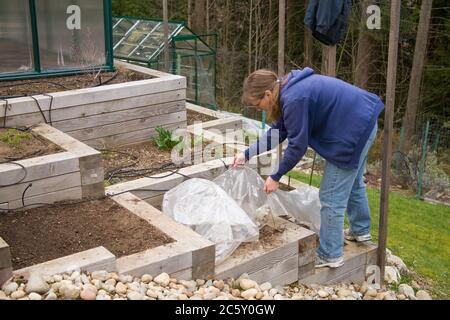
[166,35]
[388,127]
[281,47]
[329,61]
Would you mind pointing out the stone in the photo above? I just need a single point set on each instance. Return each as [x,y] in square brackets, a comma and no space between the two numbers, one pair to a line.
[265,286]
[190,285]
[111,282]
[146,278]
[259,295]
[236,293]
[89,292]
[401,297]
[423,295]
[363,288]
[398,263]
[247,284]
[133,295]
[343,293]
[19,294]
[69,292]
[103,297]
[121,288]
[391,275]
[100,275]
[297,296]
[323,294]
[125,279]
[250,293]
[182,297]
[10,288]
[57,278]
[34,296]
[200,282]
[219,284]
[273,292]
[406,290]
[36,284]
[390,296]
[51,295]
[163,279]
[2,295]
[152,294]
[334,297]
[372,293]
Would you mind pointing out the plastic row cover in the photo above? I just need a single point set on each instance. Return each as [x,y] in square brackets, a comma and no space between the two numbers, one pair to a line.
[207,209]
[231,209]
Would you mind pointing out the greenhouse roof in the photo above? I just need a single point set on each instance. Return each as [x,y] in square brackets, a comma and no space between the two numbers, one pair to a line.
[143,39]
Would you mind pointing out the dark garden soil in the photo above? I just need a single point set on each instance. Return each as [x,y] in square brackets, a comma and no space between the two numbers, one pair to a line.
[63,83]
[193,117]
[140,160]
[17,145]
[42,234]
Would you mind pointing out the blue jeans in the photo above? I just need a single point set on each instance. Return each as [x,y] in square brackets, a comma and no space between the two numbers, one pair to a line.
[343,189]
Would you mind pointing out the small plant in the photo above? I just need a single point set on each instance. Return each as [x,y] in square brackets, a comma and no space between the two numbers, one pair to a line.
[14,138]
[164,140]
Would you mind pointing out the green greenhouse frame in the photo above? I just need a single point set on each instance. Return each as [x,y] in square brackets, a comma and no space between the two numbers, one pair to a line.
[28,26]
[141,41]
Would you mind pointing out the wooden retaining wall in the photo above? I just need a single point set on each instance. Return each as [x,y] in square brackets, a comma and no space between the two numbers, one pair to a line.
[74,174]
[109,115]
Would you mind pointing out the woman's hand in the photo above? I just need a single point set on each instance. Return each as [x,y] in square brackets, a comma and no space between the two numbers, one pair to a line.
[271,185]
[239,160]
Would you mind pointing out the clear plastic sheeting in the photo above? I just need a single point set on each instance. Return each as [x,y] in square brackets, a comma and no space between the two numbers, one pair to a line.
[303,204]
[208,210]
[246,187]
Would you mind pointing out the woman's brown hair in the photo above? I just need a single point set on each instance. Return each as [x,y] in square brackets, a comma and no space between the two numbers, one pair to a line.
[255,87]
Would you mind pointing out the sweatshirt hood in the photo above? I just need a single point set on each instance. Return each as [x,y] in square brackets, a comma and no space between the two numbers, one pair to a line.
[298,75]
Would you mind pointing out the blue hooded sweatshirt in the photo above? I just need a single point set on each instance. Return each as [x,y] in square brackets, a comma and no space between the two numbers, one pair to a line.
[334,117]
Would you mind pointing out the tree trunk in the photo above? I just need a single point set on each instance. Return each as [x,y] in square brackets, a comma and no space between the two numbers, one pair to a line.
[363,57]
[189,13]
[409,121]
[308,44]
[199,18]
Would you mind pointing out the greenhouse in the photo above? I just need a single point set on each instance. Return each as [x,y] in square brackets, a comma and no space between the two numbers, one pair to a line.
[141,41]
[49,37]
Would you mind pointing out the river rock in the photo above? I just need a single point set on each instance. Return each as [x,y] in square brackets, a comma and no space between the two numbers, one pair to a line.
[163,279]
[37,284]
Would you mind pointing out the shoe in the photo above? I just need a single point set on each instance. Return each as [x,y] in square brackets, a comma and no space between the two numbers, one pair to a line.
[350,236]
[330,263]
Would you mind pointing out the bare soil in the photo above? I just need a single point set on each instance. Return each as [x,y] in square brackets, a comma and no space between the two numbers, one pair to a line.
[140,160]
[193,117]
[269,238]
[17,145]
[63,83]
[42,234]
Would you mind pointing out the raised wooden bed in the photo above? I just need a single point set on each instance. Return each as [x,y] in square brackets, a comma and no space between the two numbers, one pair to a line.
[109,115]
[188,256]
[74,174]
[288,256]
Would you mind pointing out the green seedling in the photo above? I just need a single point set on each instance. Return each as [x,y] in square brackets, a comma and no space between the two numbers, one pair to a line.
[14,138]
[165,140]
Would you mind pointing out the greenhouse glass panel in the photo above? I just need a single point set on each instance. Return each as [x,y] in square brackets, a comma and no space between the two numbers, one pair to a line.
[16,54]
[66,42]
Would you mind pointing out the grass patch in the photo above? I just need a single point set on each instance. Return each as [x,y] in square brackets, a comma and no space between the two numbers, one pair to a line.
[418,232]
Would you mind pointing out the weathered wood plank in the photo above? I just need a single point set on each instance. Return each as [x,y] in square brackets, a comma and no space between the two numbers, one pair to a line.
[38,168]
[5,255]
[72,98]
[40,187]
[223,124]
[92,109]
[207,170]
[105,130]
[48,198]
[205,111]
[169,258]
[5,275]
[285,279]
[90,260]
[64,141]
[131,137]
[275,270]
[77,124]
